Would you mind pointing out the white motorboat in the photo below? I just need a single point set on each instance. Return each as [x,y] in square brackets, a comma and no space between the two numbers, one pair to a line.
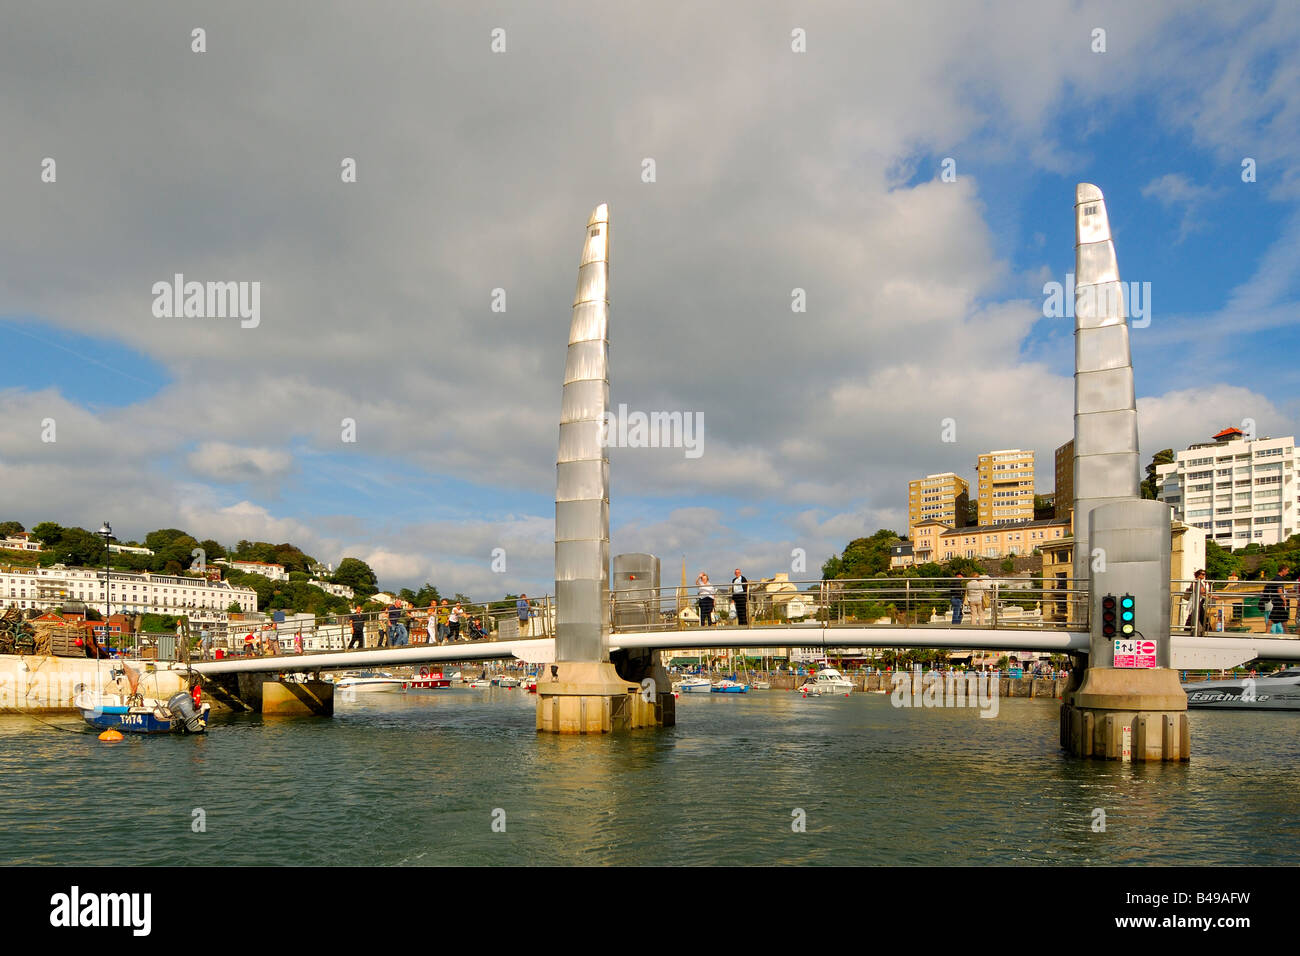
[481,684]
[508,682]
[372,682]
[761,685]
[827,681]
[696,685]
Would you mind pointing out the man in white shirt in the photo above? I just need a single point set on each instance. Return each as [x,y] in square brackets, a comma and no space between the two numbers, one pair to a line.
[739,598]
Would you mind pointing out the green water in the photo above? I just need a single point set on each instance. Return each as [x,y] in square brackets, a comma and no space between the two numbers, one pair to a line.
[417,780]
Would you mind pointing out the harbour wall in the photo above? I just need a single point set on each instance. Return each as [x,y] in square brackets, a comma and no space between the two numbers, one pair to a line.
[40,684]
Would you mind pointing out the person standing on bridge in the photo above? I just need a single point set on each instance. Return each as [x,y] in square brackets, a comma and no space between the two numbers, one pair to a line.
[358,622]
[525,612]
[444,616]
[706,593]
[396,629]
[453,622]
[956,598]
[740,599]
[976,595]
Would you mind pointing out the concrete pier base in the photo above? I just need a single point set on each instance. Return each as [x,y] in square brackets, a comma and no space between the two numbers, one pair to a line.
[1126,714]
[590,698]
[314,698]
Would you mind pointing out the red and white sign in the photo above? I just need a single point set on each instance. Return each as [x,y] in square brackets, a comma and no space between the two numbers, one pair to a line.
[1131,652]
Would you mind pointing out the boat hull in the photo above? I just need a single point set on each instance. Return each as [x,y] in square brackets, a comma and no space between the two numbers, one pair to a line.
[1262,693]
[139,720]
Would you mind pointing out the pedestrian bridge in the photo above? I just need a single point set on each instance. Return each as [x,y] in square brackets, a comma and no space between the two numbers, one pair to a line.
[1189,652]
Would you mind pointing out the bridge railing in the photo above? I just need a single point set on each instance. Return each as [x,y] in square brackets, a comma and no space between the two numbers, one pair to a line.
[1232,606]
[1003,602]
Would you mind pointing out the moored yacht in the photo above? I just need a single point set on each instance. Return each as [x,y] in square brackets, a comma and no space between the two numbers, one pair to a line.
[827,681]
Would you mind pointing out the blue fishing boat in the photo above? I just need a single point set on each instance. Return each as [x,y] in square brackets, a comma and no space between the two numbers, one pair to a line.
[140,715]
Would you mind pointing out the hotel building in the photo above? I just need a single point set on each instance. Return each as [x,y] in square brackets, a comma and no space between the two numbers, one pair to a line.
[1006,487]
[941,497]
[129,593]
[1239,491]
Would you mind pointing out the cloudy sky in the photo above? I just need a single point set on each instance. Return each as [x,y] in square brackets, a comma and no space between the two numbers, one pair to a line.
[476,170]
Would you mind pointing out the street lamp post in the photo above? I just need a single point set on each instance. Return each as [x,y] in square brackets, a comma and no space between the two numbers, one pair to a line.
[107,531]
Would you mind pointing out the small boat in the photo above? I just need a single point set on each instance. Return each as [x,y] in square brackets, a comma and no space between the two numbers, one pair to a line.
[530,683]
[481,684]
[728,686]
[142,715]
[762,685]
[1279,691]
[508,682]
[827,681]
[372,682]
[429,680]
[696,685]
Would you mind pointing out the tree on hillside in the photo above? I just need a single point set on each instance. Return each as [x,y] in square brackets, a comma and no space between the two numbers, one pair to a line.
[47,532]
[10,528]
[212,549]
[1163,457]
[357,575]
[157,540]
[862,557]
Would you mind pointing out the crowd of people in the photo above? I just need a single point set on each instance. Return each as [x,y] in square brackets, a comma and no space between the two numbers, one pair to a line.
[444,622]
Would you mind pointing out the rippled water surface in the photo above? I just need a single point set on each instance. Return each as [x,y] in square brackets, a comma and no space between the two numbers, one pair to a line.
[417,779]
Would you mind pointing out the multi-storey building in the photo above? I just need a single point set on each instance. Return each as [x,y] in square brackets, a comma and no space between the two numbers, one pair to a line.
[128,592]
[941,497]
[935,541]
[1064,501]
[1006,487]
[1239,491]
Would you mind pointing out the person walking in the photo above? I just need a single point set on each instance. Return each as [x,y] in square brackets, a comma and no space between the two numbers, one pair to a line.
[740,598]
[956,598]
[706,593]
[358,622]
[1199,607]
[524,611]
[1277,592]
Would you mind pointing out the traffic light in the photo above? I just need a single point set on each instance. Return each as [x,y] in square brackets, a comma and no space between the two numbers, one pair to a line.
[1127,614]
[1108,616]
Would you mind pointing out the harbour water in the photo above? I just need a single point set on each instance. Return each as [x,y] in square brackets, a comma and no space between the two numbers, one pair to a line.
[461,777]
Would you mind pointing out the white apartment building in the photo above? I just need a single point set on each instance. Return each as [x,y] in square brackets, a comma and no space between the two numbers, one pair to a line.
[1236,490]
[130,593]
[275,572]
[338,590]
[129,549]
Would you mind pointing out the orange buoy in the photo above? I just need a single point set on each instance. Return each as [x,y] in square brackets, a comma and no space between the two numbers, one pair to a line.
[110,735]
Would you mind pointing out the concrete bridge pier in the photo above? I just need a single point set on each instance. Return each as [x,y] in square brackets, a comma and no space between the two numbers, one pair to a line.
[586,694]
[266,694]
[1121,542]
[1136,713]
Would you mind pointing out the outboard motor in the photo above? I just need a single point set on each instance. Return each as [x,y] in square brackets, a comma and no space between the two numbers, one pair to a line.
[182,706]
